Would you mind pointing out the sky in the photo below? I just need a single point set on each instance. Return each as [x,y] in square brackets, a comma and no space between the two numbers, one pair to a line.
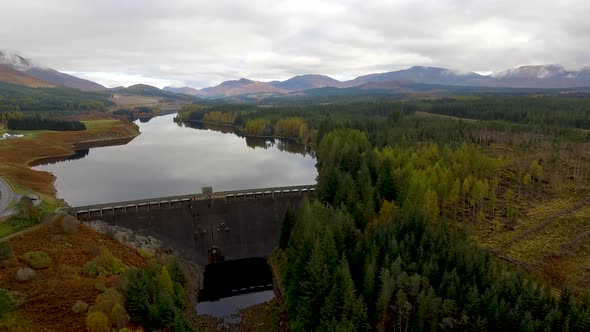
[201,43]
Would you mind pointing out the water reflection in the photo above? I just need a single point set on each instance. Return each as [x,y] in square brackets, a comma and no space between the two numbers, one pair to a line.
[287,145]
[78,154]
[168,160]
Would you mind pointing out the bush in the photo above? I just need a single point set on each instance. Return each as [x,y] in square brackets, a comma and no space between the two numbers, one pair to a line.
[25,274]
[37,259]
[119,316]
[100,287]
[176,272]
[110,303]
[9,301]
[145,253]
[5,251]
[80,307]
[69,224]
[98,322]
[165,281]
[104,264]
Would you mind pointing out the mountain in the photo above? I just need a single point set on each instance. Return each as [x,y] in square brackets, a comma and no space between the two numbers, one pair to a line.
[241,87]
[417,74]
[150,91]
[412,79]
[306,82]
[184,90]
[11,75]
[544,76]
[50,76]
[61,79]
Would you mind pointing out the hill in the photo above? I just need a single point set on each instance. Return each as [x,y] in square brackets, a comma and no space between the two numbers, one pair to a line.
[241,87]
[65,80]
[13,76]
[16,69]
[306,82]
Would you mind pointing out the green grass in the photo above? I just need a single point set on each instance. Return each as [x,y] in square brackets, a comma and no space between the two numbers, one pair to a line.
[100,124]
[550,239]
[5,229]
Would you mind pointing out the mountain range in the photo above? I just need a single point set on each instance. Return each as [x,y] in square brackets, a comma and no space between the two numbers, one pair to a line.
[538,77]
[16,69]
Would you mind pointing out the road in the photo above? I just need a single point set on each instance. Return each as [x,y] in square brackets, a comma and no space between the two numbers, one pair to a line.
[6,196]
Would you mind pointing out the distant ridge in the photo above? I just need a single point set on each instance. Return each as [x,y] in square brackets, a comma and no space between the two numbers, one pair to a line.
[13,76]
[542,77]
[45,77]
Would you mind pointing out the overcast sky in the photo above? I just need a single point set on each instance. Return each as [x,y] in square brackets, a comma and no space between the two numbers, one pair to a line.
[200,43]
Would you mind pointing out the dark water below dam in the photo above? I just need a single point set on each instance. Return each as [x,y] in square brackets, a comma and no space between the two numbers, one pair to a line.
[234,285]
[170,159]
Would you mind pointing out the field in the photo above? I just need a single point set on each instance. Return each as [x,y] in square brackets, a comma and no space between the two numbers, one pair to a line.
[550,234]
[17,154]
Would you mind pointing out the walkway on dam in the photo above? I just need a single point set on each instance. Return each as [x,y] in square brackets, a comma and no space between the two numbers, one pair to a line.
[272,191]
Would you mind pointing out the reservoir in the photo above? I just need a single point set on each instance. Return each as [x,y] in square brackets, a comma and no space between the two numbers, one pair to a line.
[169,159]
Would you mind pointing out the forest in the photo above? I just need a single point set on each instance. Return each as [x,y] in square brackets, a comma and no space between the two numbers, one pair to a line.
[403,194]
[43,123]
[14,98]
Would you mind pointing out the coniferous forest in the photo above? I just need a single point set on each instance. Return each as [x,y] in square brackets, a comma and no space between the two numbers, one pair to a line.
[404,198]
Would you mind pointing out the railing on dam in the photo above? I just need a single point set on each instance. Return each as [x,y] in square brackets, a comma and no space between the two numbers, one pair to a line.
[181,200]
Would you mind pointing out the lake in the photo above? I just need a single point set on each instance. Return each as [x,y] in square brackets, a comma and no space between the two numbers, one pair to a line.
[170,159]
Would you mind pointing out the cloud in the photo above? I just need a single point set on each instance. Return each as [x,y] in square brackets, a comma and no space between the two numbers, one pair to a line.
[200,43]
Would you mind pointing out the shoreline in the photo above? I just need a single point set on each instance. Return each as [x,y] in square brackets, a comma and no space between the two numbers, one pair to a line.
[90,144]
[241,134]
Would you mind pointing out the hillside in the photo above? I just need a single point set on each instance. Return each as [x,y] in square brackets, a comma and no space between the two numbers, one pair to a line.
[306,82]
[65,80]
[22,71]
[13,76]
[241,87]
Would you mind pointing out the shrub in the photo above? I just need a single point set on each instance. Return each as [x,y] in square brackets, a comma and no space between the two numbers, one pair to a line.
[119,316]
[104,264]
[37,259]
[179,298]
[98,322]
[176,271]
[80,307]
[145,253]
[110,303]
[69,224]
[100,287]
[165,281]
[25,274]
[9,301]
[5,251]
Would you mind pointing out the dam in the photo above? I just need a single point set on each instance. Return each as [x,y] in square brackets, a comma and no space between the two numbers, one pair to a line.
[241,223]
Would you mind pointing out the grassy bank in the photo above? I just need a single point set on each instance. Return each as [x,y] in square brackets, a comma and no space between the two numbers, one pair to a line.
[17,154]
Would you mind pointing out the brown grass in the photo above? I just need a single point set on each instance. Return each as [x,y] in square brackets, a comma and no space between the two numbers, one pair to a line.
[49,298]
[17,154]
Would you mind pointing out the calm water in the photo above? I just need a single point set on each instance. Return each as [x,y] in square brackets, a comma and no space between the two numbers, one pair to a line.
[168,159]
[228,308]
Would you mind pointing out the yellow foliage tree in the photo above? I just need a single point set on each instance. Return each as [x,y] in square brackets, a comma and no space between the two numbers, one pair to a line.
[165,281]
[98,322]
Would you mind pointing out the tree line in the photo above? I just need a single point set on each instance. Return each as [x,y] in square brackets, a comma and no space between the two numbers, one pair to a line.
[20,121]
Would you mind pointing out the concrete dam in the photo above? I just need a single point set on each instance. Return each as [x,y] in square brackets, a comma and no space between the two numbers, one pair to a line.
[242,223]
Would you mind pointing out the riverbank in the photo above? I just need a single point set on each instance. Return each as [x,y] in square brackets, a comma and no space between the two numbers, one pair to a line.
[17,155]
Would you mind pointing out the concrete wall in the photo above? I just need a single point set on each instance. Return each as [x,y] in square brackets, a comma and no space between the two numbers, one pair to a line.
[243,226]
